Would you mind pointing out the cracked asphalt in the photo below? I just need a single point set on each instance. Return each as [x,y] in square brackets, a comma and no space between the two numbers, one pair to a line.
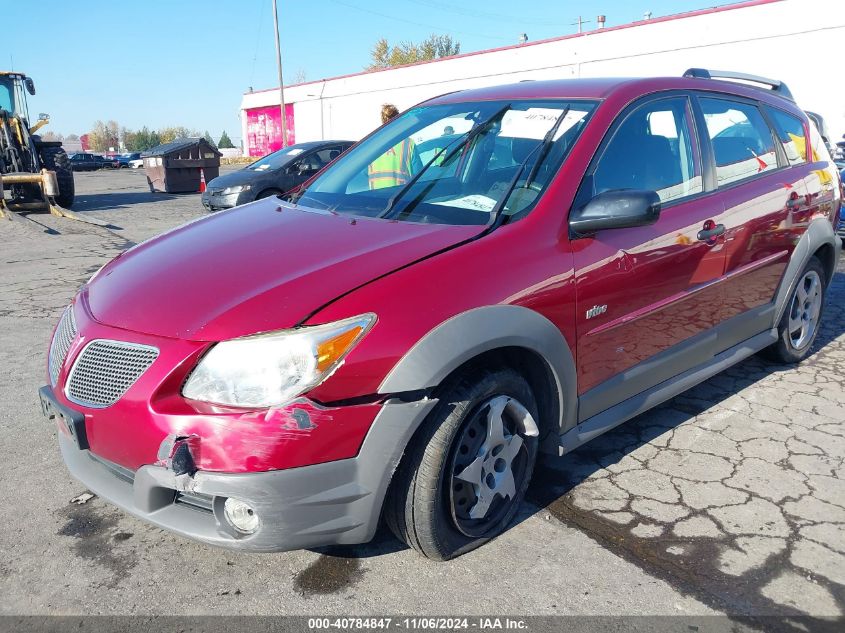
[727,499]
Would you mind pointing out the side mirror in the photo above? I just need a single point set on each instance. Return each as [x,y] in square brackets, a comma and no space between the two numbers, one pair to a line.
[30,85]
[619,209]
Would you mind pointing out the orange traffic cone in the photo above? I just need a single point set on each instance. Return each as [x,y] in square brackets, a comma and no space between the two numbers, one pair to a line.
[202,180]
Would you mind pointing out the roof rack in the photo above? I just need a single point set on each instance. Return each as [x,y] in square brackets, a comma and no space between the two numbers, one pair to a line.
[776,85]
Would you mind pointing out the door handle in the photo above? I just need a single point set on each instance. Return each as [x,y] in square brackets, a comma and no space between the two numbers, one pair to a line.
[712,231]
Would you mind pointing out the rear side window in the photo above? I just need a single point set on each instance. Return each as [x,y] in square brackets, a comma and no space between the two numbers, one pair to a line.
[329,154]
[742,141]
[652,150]
[817,146]
[790,131]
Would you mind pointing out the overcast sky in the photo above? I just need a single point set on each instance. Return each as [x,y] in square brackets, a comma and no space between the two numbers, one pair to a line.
[159,62]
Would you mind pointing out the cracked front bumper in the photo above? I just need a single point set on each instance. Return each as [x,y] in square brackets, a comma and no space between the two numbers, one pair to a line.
[335,502]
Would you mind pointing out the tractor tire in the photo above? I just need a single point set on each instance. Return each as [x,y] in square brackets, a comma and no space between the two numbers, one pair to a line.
[55,159]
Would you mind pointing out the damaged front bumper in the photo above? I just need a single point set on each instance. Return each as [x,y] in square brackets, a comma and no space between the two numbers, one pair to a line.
[336,502]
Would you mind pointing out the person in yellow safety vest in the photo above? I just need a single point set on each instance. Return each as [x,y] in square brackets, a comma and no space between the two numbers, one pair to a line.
[398,164]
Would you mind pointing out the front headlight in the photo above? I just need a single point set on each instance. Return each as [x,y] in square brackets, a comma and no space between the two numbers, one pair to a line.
[236,189]
[266,370]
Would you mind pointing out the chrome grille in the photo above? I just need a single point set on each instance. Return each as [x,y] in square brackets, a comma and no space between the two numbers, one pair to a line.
[105,370]
[59,346]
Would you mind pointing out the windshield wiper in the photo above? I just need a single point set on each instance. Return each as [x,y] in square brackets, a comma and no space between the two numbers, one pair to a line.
[468,137]
[497,213]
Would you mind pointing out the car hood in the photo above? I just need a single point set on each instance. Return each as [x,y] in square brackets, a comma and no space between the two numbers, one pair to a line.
[260,267]
[240,177]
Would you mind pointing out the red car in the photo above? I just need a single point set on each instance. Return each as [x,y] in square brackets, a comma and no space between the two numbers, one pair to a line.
[404,335]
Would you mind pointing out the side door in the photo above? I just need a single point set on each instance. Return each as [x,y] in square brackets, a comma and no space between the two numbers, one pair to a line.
[766,207]
[648,297]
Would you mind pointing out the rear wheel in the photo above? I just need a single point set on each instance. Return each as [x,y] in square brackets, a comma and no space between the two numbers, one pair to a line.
[799,325]
[55,159]
[465,472]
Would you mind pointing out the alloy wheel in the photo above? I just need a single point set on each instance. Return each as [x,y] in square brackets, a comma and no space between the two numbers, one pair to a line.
[804,310]
[490,464]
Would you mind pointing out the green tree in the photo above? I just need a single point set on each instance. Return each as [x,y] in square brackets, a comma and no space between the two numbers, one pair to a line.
[140,141]
[225,142]
[383,55]
[207,137]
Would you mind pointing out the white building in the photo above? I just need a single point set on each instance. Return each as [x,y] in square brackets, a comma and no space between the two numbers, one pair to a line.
[796,41]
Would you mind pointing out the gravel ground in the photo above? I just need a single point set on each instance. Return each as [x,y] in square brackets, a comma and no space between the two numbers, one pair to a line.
[727,499]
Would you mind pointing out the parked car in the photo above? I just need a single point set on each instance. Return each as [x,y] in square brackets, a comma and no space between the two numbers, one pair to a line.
[272,175]
[84,162]
[402,339]
[136,163]
[106,162]
[821,125]
[126,159]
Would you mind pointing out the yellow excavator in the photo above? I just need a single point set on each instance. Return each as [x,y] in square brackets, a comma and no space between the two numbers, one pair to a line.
[35,174]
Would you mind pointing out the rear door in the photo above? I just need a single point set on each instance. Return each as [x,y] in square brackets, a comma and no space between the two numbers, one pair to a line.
[766,206]
[647,297]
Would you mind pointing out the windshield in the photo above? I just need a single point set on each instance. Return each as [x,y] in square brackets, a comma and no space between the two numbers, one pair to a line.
[276,159]
[425,166]
[7,94]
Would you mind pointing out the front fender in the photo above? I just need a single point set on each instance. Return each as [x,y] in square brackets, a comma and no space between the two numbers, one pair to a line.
[471,333]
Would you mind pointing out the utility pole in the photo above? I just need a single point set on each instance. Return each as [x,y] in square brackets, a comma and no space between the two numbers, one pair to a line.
[580,23]
[281,81]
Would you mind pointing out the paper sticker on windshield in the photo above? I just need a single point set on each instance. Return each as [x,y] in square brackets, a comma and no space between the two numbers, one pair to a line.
[295,151]
[475,201]
[263,167]
[535,122]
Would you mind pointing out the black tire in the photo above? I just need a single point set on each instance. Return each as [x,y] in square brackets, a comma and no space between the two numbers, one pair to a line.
[421,508]
[55,159]
[267,193]
[787,349]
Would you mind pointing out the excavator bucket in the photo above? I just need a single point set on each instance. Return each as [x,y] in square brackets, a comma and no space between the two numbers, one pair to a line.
[46,181]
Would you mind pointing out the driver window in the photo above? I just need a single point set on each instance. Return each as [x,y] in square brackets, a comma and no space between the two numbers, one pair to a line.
[652,150]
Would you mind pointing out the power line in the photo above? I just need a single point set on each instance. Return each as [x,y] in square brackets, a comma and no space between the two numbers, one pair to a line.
[428,26]
[486,15]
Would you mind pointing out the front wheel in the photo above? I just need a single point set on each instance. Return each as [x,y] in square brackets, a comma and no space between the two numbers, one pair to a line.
[799,325]
[465,472]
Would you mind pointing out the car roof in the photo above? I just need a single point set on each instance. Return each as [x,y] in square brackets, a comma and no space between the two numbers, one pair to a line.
[606,87]
[314,144]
